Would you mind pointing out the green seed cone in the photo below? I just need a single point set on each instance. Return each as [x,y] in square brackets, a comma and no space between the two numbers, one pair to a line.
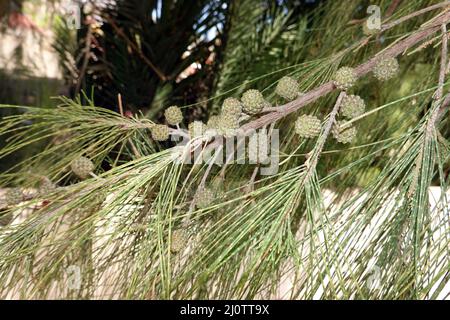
[160,132]
[343,133]
[352,106]
[232,106]
[345,78]
[82,167]
[196,129]
[308,126]
[173,115]
[253,102]
[386,69]
[287,88]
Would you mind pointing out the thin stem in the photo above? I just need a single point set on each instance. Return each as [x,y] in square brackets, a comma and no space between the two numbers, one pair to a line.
[93,175]
[444,53]
[439,92]
[393,6]
[208,169]
[87,56]
[414,14]
[179,132]
[119,100]
[312,162]
[135,48]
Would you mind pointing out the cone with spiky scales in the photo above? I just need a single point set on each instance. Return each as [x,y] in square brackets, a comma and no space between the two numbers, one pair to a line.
[253,102]
[308,126]
[386,69]
[82,167]
[173,115]
[160,132]
[443,149]
[232,107]
[343,132]
[352,106]
[196,129]
[345,78]
[287,88]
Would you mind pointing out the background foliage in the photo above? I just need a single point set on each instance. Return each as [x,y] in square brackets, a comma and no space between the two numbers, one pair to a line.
[308,232]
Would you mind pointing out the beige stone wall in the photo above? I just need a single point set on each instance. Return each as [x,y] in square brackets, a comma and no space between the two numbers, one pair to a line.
[34,43]
[37,56]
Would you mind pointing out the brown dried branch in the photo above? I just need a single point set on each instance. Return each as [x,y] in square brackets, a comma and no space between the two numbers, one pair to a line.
[119,100]
[444,53]
[394,4]
[136,49]
[87,57]
[361,70]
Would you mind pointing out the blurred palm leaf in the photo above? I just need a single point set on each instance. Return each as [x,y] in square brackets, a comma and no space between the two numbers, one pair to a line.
[138,48]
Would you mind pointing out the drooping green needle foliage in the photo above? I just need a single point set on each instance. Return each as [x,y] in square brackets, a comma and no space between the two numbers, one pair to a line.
[358,208]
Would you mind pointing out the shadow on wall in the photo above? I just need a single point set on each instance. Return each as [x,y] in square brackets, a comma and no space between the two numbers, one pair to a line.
[24,91]
[29,67]
[28,90]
